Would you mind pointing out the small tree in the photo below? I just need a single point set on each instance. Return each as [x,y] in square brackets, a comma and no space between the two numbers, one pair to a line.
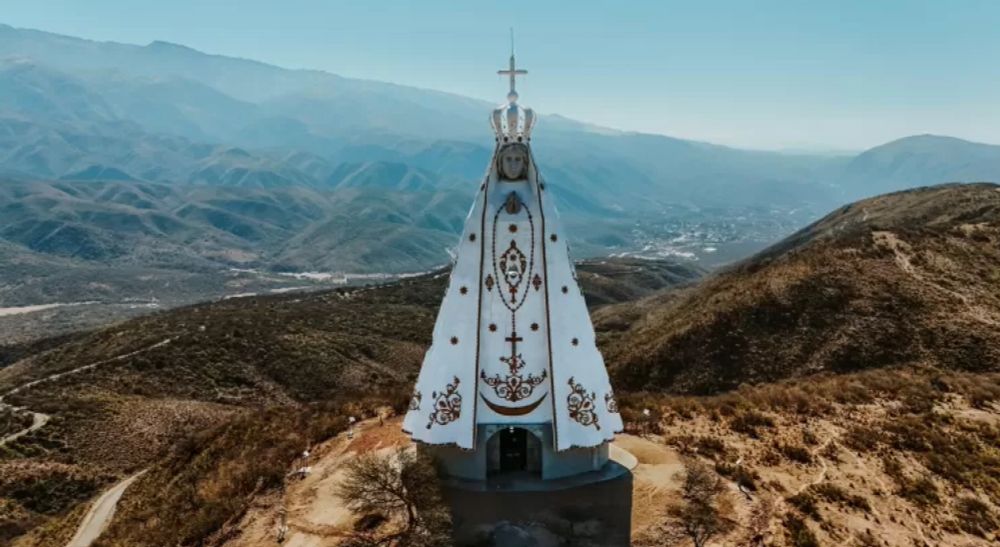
[404,487]
[698,515]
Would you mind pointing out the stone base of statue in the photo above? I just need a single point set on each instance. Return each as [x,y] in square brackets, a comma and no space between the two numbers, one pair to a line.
[520,509]
[514,489]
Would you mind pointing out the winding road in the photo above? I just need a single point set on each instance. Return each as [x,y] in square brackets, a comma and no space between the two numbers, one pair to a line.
[38,420]
[100,513]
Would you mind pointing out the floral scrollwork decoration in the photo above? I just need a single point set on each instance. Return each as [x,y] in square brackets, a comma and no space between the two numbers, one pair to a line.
[513,387]
[610,403]
[447,405]
[415,400]
[581,405]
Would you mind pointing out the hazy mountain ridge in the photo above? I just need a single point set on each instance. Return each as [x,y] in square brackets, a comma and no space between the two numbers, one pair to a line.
[174,90]
[179,163]
[920,160]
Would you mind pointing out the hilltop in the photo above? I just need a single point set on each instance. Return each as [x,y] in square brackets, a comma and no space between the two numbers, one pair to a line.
[909,278]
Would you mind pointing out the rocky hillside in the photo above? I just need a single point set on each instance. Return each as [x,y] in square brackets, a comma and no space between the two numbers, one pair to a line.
[121,398]
[910,278]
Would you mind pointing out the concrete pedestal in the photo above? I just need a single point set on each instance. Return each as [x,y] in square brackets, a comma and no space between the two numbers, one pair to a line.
[590,509]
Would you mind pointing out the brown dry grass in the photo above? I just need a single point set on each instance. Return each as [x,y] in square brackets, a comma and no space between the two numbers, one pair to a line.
[902,452]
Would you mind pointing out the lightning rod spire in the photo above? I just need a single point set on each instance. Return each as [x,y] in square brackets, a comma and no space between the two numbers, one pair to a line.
[512,71]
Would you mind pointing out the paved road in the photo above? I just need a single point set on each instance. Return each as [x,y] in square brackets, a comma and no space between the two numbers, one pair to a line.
[100,514]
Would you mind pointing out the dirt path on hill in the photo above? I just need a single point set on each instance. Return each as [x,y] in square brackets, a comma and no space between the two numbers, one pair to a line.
[38,420]
[817,454]
[308,513]
[100,513]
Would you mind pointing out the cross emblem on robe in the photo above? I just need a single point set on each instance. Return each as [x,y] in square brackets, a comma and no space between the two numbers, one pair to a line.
[512,71]
[514,361]
[513,339]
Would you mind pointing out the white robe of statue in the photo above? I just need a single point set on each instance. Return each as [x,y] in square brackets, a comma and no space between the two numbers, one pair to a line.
[513,342]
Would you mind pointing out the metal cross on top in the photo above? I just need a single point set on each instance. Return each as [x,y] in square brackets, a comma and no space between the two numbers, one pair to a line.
[513,71]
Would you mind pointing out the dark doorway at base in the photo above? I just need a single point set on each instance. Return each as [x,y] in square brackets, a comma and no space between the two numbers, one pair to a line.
[513,450]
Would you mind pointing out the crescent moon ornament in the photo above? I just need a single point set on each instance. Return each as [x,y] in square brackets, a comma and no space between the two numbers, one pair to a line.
[513,410]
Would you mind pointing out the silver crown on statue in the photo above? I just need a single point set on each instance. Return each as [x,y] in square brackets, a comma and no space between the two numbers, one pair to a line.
[512,123]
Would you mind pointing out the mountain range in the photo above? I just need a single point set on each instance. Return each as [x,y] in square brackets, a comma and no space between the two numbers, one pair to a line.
[165,159]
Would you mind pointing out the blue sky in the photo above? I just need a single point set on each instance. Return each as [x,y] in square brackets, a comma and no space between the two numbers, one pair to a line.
[831,75]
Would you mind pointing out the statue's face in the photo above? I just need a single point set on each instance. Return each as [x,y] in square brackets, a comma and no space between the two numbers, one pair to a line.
[514,162]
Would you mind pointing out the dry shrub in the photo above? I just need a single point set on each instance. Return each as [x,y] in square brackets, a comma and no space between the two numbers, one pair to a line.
[805,502]
[684,407]
[918,398]
[983,396]
[831,452]
[641,412]
[739,474]
[975,517]
[404,487]
[809,437]
[866,539]
[750,422]
[799,534]
[701,514]
[835,494]
[12,421]
[921,491]
[770,457]
[848,391]
[793,398]
[796,453]
[712,447]
[862,438]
